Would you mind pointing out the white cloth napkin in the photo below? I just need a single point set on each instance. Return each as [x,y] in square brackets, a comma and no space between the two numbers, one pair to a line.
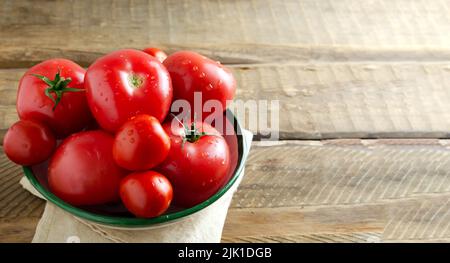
[57,225]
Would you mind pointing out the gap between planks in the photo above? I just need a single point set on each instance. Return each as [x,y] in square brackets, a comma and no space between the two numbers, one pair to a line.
[239,55]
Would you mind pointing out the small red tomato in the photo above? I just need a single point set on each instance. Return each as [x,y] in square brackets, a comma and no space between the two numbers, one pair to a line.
[141,143]
[146,194]
[197,164]
[125,83]
[156,52]
[192,72]
[28,142]
[82,170]
[52,92]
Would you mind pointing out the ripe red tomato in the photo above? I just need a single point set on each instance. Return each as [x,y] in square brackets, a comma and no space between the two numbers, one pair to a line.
[146,194]
[28,142]
[228,133]
[192,72]
[125,83]
[197,164]
[156,52]
[141,143]
[82,170]
[52,92]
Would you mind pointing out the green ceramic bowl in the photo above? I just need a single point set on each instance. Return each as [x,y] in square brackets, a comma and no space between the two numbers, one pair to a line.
[117,216]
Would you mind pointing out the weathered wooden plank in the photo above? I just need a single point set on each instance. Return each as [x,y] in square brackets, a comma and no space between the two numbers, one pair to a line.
[17,230]
[232,31]
[15,202]
[333,191]
[374,223]
[354,237]
[416,219]
[329,100]
[309,225]
[334,173]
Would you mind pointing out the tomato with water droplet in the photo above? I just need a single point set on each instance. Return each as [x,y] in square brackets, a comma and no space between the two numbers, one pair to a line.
[198,162]
[156,52]
[146,194]
[28,142]
[147,144]
[134,82]
[52,93]
[213,80]
[82,170]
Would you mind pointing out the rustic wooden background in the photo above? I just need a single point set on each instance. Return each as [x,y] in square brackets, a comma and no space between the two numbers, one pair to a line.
[364,90]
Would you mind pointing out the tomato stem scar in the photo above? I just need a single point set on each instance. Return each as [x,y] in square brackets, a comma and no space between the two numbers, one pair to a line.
[136,81]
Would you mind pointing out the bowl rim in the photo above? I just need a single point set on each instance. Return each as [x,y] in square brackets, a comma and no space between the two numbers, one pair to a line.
[134,222]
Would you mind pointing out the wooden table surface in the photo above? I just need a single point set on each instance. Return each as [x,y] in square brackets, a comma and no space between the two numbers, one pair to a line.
[364,90]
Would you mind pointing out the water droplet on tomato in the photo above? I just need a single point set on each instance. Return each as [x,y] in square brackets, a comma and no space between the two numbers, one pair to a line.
[223,162]
[209,87]
[194,68]
[132,140]
[202,75]
[130,132]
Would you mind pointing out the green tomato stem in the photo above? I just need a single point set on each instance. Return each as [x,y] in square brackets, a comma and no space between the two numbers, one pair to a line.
[57,87]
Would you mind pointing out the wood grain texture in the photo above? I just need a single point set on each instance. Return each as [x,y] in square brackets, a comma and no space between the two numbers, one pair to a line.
[424,219]
[231,31]
[340,69]
[15,202]
[18,230]
[343,191]
[355,237]
[330,191]
[333,173]
[328,100]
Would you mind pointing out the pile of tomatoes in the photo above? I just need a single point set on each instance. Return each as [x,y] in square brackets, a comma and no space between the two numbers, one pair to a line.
[108,134]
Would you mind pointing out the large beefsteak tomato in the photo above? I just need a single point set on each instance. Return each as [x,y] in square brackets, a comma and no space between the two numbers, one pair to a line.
[125,83]
[52,92]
